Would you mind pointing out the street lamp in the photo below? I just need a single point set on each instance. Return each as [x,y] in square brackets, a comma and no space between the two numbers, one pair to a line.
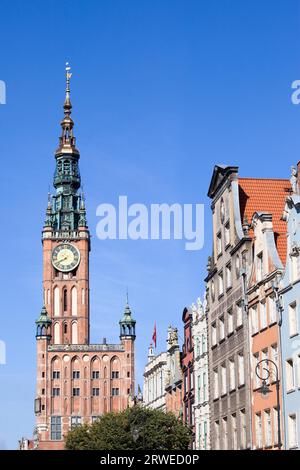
[265,389]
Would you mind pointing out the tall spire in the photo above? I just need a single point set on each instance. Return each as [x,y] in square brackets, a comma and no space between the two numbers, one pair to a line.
[67,140]
[67,208]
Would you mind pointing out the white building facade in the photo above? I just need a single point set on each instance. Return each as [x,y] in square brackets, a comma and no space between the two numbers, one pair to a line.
[201,406]
[155,374]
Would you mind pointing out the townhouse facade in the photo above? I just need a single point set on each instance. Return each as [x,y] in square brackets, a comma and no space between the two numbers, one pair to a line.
[201,405]
[269,249]
[230,406]
[187,364]
[290,317]
[155,374]
[174,376]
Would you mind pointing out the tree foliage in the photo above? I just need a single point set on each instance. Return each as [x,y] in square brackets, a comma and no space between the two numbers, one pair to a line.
[136,428]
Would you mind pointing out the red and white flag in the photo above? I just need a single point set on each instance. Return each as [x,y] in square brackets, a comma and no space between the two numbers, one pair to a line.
[154,336]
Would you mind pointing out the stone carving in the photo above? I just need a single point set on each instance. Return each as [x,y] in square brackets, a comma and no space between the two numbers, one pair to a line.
[293,180]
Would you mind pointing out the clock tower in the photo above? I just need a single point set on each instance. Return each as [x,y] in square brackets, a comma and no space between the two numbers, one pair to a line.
[77,381]
[66,243]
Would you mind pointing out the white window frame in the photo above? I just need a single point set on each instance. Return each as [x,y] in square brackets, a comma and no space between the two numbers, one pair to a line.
[292,431]
[272,310]
[220,283]
[263,315]
[231,374]
[234,431]
[239,314]
[221,328]
[228,276]
[258,430]
[254,319]
[223,379]
[214,333]
[241,369]
[293,319]
[227,234]
[290,375]
[216,383]
[230,325]
[268,428]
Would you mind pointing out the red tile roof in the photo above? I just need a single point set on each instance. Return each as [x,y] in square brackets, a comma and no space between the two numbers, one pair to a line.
[266,195]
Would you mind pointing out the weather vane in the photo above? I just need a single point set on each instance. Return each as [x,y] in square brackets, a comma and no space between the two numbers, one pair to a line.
[68,75]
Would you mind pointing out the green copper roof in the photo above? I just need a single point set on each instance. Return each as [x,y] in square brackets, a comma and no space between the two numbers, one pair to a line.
[44,318]
[127,318]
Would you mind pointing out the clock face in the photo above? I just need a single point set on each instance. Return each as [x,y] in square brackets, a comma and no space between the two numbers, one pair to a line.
[65,257]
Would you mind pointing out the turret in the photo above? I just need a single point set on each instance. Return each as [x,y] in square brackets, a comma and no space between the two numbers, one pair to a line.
[43,325]
[127,324]
[151,354]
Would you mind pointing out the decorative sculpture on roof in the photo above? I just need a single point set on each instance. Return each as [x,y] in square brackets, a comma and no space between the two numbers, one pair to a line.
[294,180]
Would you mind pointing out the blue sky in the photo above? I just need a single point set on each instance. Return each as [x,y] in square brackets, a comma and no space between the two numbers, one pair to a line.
[162,90]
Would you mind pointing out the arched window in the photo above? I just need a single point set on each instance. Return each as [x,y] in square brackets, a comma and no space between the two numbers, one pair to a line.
[74,333]
[67,167]
[65,300]
[65,328]
[56,302]
[56,333]
[59,167]
[74,301]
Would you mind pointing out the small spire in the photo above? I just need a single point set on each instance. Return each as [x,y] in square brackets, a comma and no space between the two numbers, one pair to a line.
[82,219]
[82,201]
[49,200]
[48,219]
